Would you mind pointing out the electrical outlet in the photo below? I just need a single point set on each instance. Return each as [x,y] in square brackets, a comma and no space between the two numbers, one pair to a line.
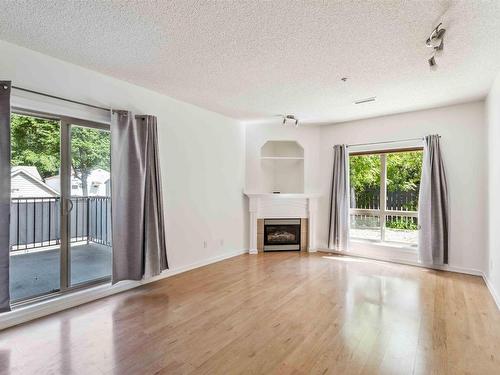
[205,244]
[222,242]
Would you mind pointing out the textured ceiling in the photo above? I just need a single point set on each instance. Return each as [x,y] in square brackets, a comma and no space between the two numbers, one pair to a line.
[254,59]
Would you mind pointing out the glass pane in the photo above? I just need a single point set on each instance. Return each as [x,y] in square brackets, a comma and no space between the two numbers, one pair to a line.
[35,207]
[366,227]
[90,218]
[364,172]
[403,180]
[403,229]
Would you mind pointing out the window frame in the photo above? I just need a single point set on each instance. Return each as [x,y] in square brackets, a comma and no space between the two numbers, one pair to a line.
[382,212]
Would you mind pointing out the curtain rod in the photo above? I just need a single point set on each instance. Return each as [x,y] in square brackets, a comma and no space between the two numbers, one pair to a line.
[60,98]
[393,141]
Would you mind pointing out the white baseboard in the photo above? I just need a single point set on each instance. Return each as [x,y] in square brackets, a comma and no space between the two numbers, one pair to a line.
[468,271]
[493,292]
[63,302]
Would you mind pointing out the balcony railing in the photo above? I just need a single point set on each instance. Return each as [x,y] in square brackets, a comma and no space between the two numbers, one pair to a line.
[35,221]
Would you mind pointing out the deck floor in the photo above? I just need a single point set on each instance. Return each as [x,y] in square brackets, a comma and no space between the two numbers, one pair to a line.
[38,272]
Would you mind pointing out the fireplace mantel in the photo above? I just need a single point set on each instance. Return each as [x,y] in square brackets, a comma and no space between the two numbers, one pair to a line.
[280,206]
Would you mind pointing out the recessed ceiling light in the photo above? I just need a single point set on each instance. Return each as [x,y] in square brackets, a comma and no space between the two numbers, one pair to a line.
[365,100]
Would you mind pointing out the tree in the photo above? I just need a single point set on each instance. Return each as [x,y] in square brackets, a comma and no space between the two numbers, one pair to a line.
[364,172]
[404,170]
[89,150]
[403,175]
[36,142]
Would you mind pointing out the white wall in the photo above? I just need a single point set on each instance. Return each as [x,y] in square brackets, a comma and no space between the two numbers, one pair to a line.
[493,259]
[257,134]
[201,153]
[463,142]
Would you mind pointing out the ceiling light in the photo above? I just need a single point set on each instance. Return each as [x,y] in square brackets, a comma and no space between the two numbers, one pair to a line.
[365,100]
[290,118]
[436,42]
[432,63]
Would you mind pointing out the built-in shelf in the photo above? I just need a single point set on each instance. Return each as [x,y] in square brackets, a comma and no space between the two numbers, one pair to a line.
[281,149]
[282,158]
[282,196]
[282,167]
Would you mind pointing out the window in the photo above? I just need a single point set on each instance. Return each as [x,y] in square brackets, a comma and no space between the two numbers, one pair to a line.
[384,190]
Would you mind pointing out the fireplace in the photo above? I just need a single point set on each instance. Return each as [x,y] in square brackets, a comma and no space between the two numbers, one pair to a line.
[281,234]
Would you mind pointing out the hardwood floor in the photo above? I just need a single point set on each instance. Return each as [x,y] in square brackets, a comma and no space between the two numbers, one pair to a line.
[273,313]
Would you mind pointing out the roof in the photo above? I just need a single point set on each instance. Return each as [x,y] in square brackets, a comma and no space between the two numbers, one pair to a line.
[31,173]
[29,169]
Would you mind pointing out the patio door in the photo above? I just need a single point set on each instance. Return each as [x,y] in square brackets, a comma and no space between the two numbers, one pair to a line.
[60,227]
[86,193]
[35,206]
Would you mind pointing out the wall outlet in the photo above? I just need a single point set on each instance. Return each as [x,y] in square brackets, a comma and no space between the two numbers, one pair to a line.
[222,242]
[205,244]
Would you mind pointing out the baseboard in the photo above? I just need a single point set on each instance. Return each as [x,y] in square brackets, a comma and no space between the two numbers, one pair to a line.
[468,271]
[494,294]
[43,308]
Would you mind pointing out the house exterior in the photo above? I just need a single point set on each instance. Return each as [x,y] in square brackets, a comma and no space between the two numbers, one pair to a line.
[26,182]
[98,183]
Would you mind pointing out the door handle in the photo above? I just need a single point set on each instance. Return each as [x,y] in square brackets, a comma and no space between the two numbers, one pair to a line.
[69,203]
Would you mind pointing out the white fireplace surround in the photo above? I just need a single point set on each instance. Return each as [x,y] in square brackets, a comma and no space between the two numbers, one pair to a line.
[282,206]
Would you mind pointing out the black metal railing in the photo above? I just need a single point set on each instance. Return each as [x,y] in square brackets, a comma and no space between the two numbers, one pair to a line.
[35,221]
[396,200]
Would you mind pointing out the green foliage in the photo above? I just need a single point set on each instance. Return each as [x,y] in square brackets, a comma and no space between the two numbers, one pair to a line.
[403,180]
[364,172]
[404,170]
[36,142]
[401,223]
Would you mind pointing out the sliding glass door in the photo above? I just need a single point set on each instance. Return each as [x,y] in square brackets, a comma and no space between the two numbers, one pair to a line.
[60,205]
[35,207]
[89,190]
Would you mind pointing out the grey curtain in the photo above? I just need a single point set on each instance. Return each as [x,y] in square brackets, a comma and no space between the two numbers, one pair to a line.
[5,87]
[137,208]
[433,206]
[338,233]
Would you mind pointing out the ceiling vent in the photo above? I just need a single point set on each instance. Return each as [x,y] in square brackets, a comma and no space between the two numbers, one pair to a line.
[365,100]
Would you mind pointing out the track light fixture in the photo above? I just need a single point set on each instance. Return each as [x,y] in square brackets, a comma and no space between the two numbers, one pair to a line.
[436,42]
[290,118]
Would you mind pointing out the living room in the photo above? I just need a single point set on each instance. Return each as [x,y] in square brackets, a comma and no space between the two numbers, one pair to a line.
[249,187]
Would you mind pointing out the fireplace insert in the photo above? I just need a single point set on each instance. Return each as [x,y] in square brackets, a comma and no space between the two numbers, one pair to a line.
[281,234]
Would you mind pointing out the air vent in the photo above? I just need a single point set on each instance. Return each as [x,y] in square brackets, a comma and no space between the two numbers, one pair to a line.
[366,100]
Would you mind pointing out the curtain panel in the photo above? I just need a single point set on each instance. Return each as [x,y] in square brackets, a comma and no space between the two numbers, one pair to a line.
[338,233]
[139,248]
[433,206]
[5,88]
